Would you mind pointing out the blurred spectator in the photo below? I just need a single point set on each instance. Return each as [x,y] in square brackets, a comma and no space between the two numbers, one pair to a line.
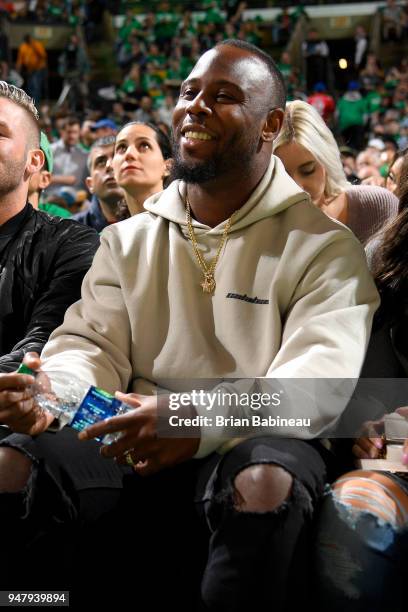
[87,136]
[73,67]
[165,112]
[403,140]
[392,20]
[322,101]
[348,160]
[131,53]
[5,50]
[106,194]
[351,111]
[369,157]
[145,113]
[41,180]
[166,25]
[70,168]
[282,27]
[315,52]
[372,74]
[130,91]
[103,128]
[10,75]
[361,48]
[32,63]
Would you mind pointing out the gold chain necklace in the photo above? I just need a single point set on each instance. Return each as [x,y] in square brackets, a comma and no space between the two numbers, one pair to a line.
[208,285]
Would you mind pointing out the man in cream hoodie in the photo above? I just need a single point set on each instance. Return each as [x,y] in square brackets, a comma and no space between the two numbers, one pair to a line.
[231,273]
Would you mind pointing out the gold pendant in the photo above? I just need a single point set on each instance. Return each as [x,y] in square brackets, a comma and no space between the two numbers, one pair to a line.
[208,283]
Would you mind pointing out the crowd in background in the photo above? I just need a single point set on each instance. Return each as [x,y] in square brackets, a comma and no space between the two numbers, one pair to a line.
[156,51]
[110,152]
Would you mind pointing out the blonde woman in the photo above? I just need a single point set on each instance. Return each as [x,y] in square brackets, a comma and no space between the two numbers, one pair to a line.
[311,157]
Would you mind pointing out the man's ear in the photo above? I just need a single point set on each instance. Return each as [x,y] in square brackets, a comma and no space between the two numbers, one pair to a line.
[45,179]
[273,124]
[89,184]
[168,164]
[35,161]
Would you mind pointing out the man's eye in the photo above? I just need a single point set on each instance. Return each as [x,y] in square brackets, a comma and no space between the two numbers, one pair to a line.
[225,96]
[188,93]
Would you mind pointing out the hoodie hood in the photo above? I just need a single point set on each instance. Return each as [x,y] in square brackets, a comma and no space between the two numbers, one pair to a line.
[170,203]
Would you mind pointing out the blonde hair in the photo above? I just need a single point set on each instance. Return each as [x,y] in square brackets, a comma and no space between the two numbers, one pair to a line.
[303,125]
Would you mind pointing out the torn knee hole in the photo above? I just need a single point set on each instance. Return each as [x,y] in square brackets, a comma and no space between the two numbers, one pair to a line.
[15,470]
[261,488]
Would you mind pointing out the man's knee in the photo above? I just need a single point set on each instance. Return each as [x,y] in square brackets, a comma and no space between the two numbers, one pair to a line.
[372,493]
[262,488]
[15,470]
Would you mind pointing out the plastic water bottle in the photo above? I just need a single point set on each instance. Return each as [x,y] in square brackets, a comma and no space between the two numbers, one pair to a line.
[73,401]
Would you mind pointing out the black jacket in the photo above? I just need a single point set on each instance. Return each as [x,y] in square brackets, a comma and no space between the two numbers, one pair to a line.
[43,260]
[92,216]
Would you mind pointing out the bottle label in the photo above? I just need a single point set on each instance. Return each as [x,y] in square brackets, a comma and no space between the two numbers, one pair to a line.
[96,406]
[23,369]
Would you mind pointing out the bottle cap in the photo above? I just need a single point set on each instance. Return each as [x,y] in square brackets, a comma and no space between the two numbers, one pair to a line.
[23,369]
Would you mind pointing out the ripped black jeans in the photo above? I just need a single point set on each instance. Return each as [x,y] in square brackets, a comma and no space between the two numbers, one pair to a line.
[83,521]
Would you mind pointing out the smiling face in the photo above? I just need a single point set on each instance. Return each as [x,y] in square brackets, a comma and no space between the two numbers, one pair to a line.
[219,120]
[305,170]
[138,163]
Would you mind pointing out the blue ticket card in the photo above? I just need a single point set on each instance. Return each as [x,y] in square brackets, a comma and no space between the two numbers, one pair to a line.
[96,406]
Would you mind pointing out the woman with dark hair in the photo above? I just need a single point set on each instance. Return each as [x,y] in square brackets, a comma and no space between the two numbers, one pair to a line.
[394,171]
[141,163]
[362,536]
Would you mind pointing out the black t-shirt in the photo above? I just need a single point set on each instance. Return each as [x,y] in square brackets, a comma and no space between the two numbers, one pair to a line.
[9,229]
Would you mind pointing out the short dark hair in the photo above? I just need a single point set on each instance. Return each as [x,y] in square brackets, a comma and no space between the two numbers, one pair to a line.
[278,89]
[71,120]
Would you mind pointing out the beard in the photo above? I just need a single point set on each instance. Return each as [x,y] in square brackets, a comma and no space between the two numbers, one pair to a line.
[11,175]
[239,154]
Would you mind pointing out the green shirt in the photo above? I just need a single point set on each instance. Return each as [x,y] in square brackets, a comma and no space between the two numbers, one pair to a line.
[55,210]
[351,112]
[373,99]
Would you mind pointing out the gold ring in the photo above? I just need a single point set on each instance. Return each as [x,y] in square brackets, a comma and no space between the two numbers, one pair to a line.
[129,459]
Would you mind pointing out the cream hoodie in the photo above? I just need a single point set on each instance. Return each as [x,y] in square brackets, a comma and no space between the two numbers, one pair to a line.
[144,320]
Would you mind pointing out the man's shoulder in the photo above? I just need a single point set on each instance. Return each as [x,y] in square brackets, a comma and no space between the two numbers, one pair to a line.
[129,228]
[62,229]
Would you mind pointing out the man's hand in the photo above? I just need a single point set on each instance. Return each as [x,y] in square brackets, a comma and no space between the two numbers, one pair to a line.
[404,412]
[18,409]
[139,437]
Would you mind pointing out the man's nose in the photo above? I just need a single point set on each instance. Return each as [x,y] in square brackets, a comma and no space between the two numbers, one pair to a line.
[199,105]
